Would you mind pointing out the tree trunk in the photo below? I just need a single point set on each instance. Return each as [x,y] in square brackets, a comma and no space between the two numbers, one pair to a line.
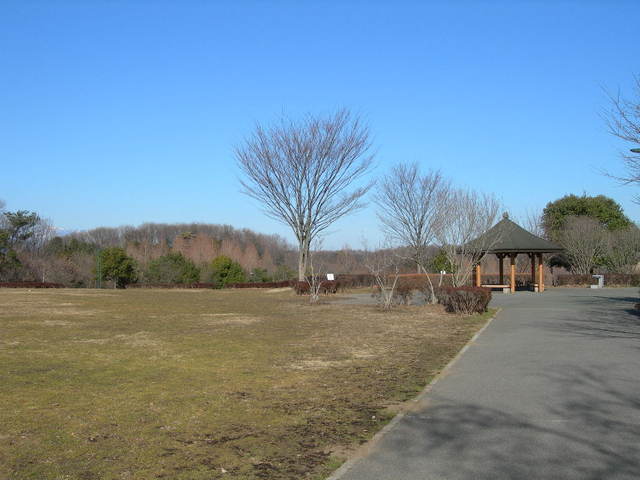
[303,256]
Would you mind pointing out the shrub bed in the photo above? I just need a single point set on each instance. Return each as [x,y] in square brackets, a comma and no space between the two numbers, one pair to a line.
[30,285]
[464,300]
[409,283]
[326,287]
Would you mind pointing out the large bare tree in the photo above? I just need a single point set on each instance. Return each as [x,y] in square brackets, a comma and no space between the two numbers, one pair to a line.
[623,250]
[306,173]
[623,120]
[410,208]
[467,216]
[584,240]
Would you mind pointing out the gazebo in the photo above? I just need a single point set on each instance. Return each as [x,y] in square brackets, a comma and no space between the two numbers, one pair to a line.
[508,239]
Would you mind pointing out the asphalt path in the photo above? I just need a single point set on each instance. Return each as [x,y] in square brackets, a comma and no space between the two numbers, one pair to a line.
[549,390]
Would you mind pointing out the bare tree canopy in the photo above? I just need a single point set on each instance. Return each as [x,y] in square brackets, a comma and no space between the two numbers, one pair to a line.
[623,121]
[467,216]
[533,222]
[302,172]
[623,250]
[584,240]
[410,208]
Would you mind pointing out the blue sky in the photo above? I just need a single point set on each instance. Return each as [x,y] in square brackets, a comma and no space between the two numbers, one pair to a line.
[121,112]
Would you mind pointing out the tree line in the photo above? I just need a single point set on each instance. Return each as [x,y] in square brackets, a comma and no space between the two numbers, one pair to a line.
[31,249]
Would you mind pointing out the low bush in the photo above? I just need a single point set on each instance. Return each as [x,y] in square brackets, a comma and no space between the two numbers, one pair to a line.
[225,271]
[326,287]
[172,268]
[410,283]
[464,300]
[30,285]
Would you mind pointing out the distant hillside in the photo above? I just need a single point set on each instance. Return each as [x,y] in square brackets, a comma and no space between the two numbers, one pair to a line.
[198,241]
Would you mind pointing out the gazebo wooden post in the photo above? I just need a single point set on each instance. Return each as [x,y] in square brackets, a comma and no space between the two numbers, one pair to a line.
[512,279]
[540,274]
[501,264]
[478,274]
[532,258]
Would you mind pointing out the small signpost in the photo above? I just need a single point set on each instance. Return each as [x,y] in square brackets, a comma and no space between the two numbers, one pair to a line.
[330,277]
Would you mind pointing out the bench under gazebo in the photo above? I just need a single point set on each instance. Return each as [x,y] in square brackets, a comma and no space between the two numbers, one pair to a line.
[507,239]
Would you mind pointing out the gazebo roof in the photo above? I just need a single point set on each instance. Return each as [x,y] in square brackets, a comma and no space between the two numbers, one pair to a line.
[509,237]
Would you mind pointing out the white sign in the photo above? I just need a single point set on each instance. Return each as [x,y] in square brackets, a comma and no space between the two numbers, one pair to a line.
[330,277]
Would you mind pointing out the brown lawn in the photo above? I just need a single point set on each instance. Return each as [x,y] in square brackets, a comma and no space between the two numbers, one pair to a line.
[202,384]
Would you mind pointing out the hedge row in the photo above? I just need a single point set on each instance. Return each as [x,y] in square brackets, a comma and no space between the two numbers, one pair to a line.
[356,280]
[283,284]
[171,285]
[610,279]
[464,300]
[30,285]
[326,287]
[368,280]
[522,279]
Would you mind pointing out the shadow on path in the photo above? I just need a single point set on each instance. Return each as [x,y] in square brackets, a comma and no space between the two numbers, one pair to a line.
[583,437]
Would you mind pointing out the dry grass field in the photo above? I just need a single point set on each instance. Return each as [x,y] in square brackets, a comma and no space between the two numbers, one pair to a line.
[202,384]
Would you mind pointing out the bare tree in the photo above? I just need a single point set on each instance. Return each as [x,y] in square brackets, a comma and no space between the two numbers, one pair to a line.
[383,265]
[584,241]
[533,222]
[410,208]
[623,250]
[623,121]
[467,217]
[314,278]
[302,171]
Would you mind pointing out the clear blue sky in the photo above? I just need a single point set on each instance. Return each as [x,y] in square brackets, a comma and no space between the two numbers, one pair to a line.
[121,112]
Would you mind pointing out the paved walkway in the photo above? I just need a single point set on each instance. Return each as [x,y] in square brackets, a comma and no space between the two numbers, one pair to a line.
[550,390]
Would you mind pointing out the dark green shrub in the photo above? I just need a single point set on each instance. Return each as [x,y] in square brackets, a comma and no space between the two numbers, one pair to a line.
[224,270]
[172,268]
[260,275]
[114,264]
[464,300]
